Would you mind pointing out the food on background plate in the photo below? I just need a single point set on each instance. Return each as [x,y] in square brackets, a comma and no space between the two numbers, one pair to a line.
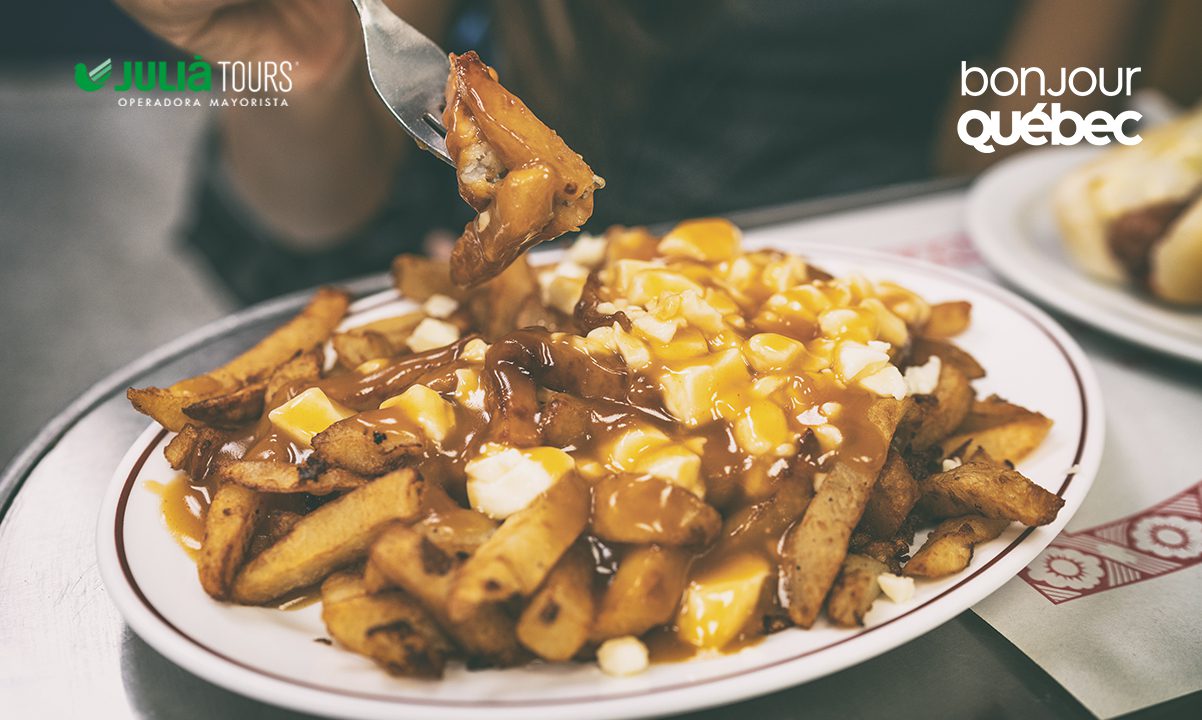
[672,446]
[1134,215]
[656,447]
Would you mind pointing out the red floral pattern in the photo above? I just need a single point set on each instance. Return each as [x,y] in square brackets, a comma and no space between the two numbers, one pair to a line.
[1160,540]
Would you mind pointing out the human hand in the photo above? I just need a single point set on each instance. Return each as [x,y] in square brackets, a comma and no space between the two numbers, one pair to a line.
[320,37]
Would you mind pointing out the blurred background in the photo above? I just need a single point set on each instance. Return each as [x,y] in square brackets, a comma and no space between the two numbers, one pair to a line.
[124,227]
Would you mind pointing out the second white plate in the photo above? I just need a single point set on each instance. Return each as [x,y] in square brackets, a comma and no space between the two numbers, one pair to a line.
[1011,222]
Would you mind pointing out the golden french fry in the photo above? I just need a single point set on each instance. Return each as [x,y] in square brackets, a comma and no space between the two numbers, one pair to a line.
[387,627]
[921,350]
[642,511]
[565,420]
[231,410]
[854,591]
[953,398]
[366,392]
[644,592]
[280,477]
[367,448]
[357,346]
[496,306]
[312,326]
[517,558]
[948,319]
[763,523]
[813,551]
[331,536]
[893,497]
[948,549]
[421,568]
[396,330]
[274,525]
[194,449]
[299,373]
[556,623]
[459,531]
[1003,430]
[985,487]
[229,526]
[418,277]
[374,579]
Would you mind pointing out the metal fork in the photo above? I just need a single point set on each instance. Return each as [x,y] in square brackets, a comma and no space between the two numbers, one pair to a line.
[409,73]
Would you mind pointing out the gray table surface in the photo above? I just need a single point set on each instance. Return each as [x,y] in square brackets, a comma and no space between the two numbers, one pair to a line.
[65,652]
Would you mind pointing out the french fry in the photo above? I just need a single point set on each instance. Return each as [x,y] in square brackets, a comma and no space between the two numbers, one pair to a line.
[357,346]
[299,372]
[642,511]
[953,398]
[279,477]
[366,392]
[765,521]
[414,563]
[231,410]
[495,306]
[459,531]
[418,277]
[274,525]
[374,579]
[1003,430]
[854,591]
[948,319]
[194,449]
[644,592]
[892,498]
[565,420]
[517,558]
[229,526]
[556,623]
[813,551]
[921,350]
[365,448]
[396,330]
[516,365]
[312,326]
[949,547]
[984,487]
[330,537]
[387,627]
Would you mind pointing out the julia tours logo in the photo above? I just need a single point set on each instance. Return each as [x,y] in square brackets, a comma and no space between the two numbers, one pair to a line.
[191,83]
[1046,123]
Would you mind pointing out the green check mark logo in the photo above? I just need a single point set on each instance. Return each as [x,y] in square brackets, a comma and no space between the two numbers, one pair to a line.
[94,79]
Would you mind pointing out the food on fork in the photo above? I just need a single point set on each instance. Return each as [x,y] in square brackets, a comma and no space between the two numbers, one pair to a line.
[526,184]
[672,445]
[1134,214]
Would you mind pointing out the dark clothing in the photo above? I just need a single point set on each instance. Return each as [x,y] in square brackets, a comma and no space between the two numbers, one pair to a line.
[687,108]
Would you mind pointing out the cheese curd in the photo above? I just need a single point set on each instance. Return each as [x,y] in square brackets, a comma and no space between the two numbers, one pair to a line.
[623,656]
[502,480]
[754,341]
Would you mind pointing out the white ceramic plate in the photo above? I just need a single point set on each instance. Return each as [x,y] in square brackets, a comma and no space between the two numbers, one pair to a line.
[1010,219]
[272,655]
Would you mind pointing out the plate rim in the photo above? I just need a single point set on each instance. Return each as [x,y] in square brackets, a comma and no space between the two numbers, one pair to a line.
[990,241]
[230,673]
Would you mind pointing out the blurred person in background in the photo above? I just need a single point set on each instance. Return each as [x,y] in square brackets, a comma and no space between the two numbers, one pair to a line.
[686,108]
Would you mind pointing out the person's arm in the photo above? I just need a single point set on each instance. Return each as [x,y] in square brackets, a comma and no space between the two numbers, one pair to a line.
[1047,34]
[316,171]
